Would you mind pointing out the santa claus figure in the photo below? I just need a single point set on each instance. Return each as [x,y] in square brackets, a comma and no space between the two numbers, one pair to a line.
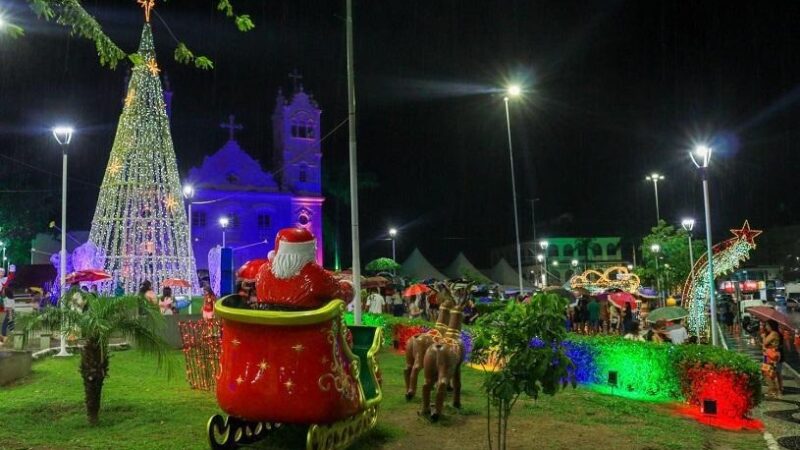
[292,280]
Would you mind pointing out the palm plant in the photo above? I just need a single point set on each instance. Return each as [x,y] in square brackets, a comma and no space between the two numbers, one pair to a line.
[95,322]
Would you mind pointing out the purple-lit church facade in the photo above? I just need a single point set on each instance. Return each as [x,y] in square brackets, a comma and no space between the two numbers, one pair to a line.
[230,183]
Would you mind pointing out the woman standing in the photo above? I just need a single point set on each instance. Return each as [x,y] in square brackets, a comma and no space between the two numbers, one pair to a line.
[772,348]
[8,317]
[208,302]
[627,319]
[165,304]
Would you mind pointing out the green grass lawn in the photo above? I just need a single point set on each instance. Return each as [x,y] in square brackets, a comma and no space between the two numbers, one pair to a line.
[142,409]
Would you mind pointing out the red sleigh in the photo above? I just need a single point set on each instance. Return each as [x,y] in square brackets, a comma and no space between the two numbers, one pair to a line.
[294,367]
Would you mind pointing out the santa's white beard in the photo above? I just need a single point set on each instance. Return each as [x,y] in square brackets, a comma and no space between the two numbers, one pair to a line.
[289,265]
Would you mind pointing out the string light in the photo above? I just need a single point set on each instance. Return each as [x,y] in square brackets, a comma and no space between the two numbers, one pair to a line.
[202,346]
[138,225]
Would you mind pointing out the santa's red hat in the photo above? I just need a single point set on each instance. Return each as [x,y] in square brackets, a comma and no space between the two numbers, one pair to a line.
[297,241]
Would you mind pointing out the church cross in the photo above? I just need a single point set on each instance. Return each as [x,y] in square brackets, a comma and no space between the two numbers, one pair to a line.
[295,76]
[232,127]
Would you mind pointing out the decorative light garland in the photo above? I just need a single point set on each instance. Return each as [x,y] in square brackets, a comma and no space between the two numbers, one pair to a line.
[202,346]
[727,256]
[138,223]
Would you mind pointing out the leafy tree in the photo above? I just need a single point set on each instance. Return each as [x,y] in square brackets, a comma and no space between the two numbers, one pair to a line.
[525,341]
[382,264]
[673,257]
[95,322]
[72,14]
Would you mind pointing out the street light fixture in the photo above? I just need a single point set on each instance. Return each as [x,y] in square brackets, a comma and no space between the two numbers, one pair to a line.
[544,244]
[393,235]
[688,225]
[63,135]
[701,157]
[574,263]
[514,91]
[223,222]
[655,178]
[656,249]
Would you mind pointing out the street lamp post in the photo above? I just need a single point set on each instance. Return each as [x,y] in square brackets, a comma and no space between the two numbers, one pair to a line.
[655,249]
[63,135]
[393,235]
[688,225]
[701,157]
[543,244]
[514,91]
[188,194]
[223,222]
[540,259]
[655,178]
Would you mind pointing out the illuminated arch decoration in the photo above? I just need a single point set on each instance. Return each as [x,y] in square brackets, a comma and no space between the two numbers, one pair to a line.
[728,255]
[616,277]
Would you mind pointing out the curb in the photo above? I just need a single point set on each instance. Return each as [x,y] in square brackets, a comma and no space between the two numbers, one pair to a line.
[772,444]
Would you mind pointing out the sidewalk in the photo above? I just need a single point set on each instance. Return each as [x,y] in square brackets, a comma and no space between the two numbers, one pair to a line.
[781,418]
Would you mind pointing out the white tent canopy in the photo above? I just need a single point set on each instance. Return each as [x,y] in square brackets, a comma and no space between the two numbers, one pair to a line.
[502,273]
[461,267]
[416,266]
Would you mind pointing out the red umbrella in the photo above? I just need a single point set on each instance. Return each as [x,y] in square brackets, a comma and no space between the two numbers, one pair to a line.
[176,282]
[250,269]
[767,313]
[619,299]
[87,276]
[416,289]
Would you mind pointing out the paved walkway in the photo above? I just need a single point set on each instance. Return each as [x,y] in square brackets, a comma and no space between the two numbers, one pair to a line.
[781,417]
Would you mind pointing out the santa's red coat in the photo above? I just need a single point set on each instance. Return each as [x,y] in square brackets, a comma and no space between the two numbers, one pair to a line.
[311,288]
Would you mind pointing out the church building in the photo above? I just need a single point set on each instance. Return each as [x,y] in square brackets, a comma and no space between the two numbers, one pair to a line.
[232,184]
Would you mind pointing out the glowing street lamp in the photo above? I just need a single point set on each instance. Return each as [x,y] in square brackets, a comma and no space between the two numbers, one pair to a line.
[655,249]
[514,91]
[701,157]
[544,244]
[688,225]
[393,236]
[223,222]
[63,135]
[574,263]
[188,194]
[655,178]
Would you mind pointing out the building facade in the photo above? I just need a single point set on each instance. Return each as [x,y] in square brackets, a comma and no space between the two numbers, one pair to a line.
[232,184]
[566,256]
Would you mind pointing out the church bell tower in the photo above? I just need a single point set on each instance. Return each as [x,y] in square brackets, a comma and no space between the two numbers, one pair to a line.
[296,141]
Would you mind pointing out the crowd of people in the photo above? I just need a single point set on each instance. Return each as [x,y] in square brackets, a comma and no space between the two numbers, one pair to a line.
[423,306]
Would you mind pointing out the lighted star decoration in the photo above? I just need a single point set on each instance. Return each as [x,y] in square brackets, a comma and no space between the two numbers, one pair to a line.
[289,385]
[235,342]
[170,203]
[114,166]
[129,98]
[726,257]
[152,66]
[747,233]
[147,5]
[240,380]
[324,360]
[298,348]
[263,365]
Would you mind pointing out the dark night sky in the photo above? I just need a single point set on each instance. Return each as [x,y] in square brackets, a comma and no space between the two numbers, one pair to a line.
[616,90]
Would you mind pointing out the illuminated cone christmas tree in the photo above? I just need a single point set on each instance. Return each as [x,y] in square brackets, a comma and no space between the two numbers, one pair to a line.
[139,223]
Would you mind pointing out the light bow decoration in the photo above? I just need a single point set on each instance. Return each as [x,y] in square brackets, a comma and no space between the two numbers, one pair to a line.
[727,256]
[616,277]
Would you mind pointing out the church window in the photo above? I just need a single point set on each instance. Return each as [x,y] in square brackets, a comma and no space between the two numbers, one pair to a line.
[303,175]
[303,219]
[263,221]
[198,219]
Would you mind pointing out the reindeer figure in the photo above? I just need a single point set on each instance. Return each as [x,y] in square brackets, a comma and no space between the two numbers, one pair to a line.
[443,353]
[416,346]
